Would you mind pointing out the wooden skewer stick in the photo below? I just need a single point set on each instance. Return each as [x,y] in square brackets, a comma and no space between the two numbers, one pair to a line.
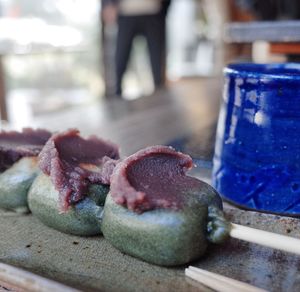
[210,282]
[219,282]
[21,280]
[265,238]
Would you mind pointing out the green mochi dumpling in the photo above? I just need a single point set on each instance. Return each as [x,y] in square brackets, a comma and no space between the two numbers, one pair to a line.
[18,165]
[158,214]
[15,183]
[81,219]
[70,192]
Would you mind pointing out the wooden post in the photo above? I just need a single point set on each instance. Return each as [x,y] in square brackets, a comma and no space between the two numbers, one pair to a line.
[108,43]
[3,107]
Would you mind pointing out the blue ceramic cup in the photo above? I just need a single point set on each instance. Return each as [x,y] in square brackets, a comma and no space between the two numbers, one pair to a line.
[257,152]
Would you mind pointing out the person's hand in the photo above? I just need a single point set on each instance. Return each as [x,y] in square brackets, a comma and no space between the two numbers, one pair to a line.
[109,14]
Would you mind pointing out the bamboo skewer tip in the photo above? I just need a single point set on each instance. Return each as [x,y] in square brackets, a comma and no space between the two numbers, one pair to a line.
[266,238]
[219,282]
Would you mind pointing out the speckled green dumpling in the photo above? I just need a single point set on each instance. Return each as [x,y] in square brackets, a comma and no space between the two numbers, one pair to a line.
[19,166]
[157,213]
[82,219]
[167,237]
[15,183]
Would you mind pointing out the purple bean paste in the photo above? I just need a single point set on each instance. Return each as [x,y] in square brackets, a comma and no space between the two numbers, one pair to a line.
[73,163]
[153,178]
[16,145]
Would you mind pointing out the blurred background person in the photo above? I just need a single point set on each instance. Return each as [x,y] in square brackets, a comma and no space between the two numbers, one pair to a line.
[136,17]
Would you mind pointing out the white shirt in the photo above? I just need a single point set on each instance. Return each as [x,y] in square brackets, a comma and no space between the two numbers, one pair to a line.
[139,7]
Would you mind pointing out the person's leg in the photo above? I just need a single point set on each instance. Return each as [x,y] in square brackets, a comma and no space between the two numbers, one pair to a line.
[125,36]
[154,31]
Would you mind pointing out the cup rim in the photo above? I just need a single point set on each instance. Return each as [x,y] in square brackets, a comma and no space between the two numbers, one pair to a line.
[287,71]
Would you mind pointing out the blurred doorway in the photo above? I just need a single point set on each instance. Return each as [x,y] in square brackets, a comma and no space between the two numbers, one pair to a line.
[194,41]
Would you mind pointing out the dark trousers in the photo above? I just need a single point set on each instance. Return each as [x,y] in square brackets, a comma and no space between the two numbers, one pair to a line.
[153,28]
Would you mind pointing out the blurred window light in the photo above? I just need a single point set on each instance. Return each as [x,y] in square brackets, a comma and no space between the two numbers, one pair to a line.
[35,30]
[51,54]
[78,10]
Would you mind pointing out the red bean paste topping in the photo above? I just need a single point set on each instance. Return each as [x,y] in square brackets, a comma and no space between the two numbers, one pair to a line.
[152,178]
[73,163]
[15,145]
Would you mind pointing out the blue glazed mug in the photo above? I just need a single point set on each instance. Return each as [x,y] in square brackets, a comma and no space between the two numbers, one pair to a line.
[257,152]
